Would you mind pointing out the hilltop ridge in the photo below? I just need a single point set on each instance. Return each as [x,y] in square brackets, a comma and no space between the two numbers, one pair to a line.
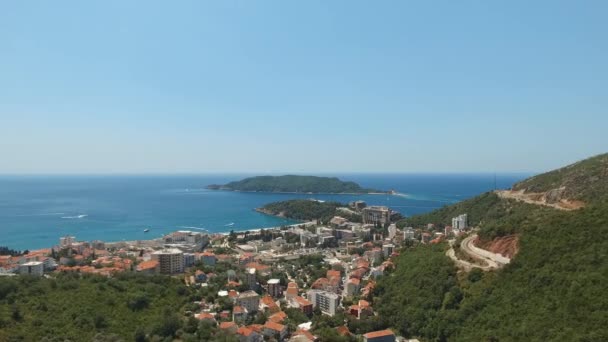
[552,289]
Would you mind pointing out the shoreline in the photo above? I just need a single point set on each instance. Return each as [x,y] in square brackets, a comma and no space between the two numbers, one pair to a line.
[223,233]
[390,193]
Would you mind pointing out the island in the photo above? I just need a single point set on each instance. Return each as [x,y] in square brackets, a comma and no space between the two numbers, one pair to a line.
[296,184]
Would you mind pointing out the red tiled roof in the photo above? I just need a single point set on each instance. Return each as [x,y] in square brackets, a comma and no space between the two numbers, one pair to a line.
[147,265]
[227,325]
[274,326]
[278,317]
[244,331]
[343,330]
[379,333]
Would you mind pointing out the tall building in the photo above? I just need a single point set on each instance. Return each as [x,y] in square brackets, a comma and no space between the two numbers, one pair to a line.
[376,214]
[35,268]
[248,300]
[274,288]
[170,260]
[388,249]
[460,222]
[327,302]
[66,241]
[409,233]
[392,231]
[251,278]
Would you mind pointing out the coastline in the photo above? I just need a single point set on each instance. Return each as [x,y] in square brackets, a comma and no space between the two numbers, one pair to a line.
[391,193]
[225,233]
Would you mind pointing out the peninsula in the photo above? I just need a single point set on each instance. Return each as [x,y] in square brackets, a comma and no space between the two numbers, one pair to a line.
[295,184]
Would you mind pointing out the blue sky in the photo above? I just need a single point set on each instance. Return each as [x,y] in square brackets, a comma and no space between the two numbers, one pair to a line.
[301,86]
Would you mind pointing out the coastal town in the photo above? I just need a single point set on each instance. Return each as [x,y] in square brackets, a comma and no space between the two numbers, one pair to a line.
[302,282]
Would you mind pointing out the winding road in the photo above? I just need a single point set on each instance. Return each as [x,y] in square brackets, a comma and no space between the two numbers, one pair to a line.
[491,261]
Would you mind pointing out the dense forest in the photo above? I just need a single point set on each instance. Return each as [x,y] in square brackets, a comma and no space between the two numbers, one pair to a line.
[292,183]
[71,307]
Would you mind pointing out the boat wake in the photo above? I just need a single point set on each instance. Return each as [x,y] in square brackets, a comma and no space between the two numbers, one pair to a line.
[74,217]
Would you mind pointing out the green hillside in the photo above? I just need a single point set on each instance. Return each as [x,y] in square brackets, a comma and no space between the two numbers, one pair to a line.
[307,210]
[585,180]
[293,183]
[553,290]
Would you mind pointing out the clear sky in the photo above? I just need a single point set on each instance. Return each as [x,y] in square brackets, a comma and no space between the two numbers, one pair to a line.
[301,86]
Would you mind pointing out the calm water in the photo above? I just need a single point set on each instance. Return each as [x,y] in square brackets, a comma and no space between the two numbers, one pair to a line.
[36,210]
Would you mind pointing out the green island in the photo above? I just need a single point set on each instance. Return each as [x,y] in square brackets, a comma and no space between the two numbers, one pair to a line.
[295,184]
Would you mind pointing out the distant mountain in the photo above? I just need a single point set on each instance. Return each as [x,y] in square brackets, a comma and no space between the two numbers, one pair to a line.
[295,184]
[552,225]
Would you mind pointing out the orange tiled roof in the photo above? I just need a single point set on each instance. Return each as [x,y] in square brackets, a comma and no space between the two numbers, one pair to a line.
[306,333]
[146,265]
[256,327]
[244,331]
[227,325]
[302,301]
[278,317]
[274,326]
[379,333]
[343,330]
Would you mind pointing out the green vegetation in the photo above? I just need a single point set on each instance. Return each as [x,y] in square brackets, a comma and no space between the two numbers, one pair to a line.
[553,290]
[85,308]
[304,210]
[586,180]
[291,183]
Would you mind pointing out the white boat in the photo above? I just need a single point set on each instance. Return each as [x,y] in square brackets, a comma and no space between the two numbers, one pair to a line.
[230,224]
[146,230]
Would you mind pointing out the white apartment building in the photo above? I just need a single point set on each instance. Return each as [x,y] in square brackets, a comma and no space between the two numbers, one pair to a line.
[35,268]
[327,302]
[170,260]
[460,222]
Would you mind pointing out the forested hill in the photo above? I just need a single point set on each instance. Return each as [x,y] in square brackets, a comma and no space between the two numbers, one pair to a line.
[586,180]
[307,210]
[553,289]
[293,183]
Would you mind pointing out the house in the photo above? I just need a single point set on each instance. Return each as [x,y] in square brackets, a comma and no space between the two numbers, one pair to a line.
[303,304]
[200,276]
[228,327]
[278,317]
[239,314]
[379,336]
[149,267]
[206,317]
[268,304]
[276,330]
[352,287]
[208,258]
[302,335]
[292,291]
[246,334]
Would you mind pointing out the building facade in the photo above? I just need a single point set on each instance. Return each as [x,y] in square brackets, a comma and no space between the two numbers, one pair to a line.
[170,261]
[376,215]
[327,302]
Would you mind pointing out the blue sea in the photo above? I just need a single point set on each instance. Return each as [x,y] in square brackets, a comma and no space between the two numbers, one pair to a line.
[35,211]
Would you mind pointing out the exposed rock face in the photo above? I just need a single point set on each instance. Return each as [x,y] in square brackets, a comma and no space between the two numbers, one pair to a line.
[507,246]
[554,195]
